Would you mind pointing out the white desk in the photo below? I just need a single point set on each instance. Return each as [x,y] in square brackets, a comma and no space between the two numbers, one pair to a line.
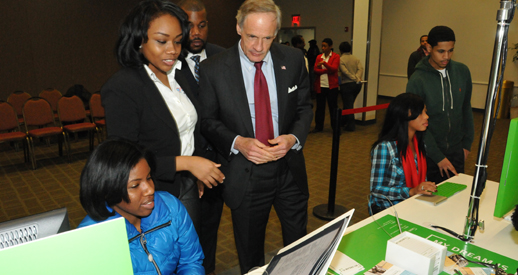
[499,235]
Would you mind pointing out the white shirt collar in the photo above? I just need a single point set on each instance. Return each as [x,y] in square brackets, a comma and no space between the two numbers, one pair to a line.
[202,54]
[170,74]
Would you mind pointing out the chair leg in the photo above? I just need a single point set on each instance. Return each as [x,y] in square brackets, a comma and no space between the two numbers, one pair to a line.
[33,153]
[67,144]
[16,147]
[25,151]
[60,145]
[91,140]
[98,133]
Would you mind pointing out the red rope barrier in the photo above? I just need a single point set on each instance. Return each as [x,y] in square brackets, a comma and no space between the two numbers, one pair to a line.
[365,109]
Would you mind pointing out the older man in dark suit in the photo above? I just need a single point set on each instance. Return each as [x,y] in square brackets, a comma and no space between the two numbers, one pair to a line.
[257,113]
[211,203]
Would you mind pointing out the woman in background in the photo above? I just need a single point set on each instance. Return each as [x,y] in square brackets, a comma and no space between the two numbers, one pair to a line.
[326,84]
[312,54]
[147,102]
[117,181]
[351,71]
[398,168]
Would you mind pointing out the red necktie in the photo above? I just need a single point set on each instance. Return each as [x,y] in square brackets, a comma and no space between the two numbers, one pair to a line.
[263,111]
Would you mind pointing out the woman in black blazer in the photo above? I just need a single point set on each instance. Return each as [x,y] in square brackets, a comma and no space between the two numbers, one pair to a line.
[149,103]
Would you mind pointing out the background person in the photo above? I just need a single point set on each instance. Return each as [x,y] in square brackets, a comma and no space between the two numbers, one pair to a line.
[298,42]
[445,86]
[398,157]
[416,56]
[351,71]
[197,50]
[311,54]
[117,181]
[149,103]
[326,84]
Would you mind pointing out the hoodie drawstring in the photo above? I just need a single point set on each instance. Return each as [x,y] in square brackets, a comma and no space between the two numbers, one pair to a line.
[442,86]
[451,94]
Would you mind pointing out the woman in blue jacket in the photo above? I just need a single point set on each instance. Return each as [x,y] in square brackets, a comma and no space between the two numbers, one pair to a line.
[117,181]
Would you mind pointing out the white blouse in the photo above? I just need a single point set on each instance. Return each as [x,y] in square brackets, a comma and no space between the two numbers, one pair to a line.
[180,106]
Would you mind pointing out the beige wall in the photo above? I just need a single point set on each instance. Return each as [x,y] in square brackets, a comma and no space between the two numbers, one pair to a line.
[474,23]
[328,16]
[58,43]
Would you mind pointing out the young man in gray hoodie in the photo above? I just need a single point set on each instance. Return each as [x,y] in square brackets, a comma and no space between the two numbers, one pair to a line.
[445,85]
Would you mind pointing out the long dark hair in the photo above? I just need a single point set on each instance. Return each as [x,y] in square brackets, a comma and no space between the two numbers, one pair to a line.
[403,108]
[104,179]
[133,31]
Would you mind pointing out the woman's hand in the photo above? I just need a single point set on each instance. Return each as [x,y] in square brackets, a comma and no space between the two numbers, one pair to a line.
[203,169]
[201,188]
[425,187]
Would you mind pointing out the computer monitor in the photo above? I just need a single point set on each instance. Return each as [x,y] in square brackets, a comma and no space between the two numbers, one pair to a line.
[507,197]
[100,248]
[33,227]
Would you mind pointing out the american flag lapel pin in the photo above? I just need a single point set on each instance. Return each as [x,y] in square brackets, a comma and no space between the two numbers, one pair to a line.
[283,67]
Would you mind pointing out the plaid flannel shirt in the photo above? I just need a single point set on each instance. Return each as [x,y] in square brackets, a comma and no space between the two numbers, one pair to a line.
[387,176]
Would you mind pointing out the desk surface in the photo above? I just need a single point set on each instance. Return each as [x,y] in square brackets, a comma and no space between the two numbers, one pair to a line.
[499,235]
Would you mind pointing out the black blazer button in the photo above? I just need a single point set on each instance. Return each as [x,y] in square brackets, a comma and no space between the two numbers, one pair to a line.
[247,170]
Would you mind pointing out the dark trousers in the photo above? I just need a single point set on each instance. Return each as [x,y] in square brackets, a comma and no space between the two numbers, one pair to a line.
[434,174]
[190,199]
[270,184]
[329,95]
[349,93]
[211,209]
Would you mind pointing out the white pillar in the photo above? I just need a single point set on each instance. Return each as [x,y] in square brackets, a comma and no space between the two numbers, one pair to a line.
[366,44]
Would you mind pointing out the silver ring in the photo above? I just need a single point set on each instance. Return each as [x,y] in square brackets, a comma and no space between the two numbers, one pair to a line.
[422,188]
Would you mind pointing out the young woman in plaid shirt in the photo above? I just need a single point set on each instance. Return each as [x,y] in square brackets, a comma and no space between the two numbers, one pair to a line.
[398,168]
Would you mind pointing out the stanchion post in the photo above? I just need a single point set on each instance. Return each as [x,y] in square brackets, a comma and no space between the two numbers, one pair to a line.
[330,211]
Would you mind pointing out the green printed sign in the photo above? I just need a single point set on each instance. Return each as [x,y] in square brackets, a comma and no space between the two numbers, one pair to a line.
[367,245]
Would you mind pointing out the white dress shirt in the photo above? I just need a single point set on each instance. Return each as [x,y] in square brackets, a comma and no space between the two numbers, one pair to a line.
[180,106]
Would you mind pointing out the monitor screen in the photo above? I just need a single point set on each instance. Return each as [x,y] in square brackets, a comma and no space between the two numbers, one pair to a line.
[101,248]
[33,227]
[507,197]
